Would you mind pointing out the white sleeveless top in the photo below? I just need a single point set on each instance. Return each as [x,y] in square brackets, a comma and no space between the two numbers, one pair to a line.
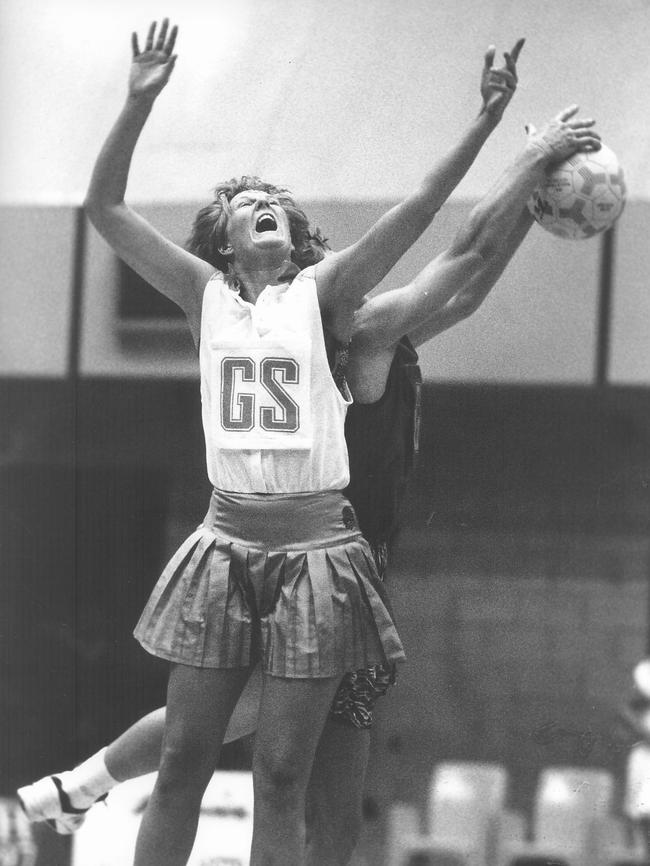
[273,417]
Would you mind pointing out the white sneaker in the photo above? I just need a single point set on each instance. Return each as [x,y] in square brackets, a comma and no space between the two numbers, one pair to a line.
[46,800]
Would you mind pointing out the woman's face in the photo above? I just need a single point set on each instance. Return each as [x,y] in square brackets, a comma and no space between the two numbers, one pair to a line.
[258,228]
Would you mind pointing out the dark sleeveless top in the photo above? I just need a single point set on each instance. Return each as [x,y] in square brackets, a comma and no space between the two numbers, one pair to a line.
[382,439]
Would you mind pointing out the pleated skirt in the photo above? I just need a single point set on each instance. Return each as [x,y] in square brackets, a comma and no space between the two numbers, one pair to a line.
[285,579]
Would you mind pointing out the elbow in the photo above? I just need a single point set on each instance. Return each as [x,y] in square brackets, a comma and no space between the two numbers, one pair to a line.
[99,212]
[90,209]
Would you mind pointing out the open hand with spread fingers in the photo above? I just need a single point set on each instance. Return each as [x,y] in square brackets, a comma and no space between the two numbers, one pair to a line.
[564,135]
[498,84]
[151,68]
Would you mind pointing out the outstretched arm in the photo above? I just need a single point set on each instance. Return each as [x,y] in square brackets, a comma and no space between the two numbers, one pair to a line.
[454,284]
[471,294]
[345,277]
[170,269]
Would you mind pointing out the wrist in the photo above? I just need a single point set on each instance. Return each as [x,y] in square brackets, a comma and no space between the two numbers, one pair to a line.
[140,101]
[536,155]
[539,149]
[489,119]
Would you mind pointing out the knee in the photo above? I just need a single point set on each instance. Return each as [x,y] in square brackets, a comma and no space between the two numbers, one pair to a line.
[185,764]
[277,778]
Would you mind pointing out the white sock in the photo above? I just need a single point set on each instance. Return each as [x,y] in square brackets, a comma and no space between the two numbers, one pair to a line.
[90,780]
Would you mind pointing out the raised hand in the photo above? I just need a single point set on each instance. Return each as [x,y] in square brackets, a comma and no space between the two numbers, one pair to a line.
[564,135]
[498,84]
[151,68]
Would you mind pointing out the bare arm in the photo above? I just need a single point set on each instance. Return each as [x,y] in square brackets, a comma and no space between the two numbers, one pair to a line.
[454,284]
[471,294]
[170,269]
[345,277]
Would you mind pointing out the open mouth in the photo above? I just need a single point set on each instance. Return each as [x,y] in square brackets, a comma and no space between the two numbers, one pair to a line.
[266,223]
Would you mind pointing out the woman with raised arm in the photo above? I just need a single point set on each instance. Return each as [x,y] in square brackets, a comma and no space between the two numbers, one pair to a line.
[380,429]
[278,570]
[379,433]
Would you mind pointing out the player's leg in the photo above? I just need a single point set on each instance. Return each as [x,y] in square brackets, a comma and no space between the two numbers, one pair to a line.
[62,799]
[137,751]
[292,716]
[199,704]
[334,812]
[335,793]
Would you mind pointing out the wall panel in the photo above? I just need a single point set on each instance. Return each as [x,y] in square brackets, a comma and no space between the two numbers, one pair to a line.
[36,274]
[111,346]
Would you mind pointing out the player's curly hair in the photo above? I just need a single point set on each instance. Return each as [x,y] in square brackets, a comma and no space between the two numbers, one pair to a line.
[209,227]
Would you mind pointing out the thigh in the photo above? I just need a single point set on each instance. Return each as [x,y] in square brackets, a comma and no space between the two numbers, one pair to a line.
[292,716]
[200,702]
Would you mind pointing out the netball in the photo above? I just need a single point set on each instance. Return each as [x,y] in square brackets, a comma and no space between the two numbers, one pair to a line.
[582,196]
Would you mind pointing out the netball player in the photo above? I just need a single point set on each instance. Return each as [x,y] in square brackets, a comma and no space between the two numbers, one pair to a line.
[409,306]
[381,434]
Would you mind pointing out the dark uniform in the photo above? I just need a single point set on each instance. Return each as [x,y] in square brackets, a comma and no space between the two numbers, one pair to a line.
[382,440]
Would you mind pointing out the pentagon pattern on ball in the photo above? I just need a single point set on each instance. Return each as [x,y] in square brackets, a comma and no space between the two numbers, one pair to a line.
[582,196]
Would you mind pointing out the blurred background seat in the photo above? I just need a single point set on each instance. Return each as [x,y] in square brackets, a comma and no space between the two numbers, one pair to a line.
[464,803]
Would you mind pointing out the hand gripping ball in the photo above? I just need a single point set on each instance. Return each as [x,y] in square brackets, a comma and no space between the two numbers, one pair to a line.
[582,196]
